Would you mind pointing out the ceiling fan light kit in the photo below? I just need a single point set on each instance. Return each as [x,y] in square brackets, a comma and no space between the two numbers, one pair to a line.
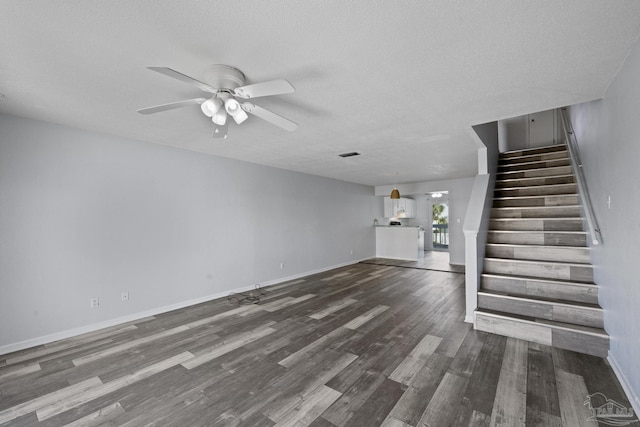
[235,110]
[211,106]
[220,117]
[226,84]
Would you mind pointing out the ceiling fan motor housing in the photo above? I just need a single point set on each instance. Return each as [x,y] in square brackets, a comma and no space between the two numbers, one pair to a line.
[224,77]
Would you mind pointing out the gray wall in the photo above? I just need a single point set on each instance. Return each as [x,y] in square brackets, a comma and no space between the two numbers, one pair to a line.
[608,133]
[86,215]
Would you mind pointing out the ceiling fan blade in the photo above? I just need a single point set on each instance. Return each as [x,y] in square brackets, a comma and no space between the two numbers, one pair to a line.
[220,131]
[184,78]
[171,106]
[267,115]
[273,87]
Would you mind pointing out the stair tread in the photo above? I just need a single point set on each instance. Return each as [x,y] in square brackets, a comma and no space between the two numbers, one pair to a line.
[548,148]
[559,282]
[507,173]
[536,231]
[536,187]
[537,197]
[564,175]
[535,246]
[530,158]
[551,323]
[542,300]
[529,154]
[553,218]
[535,207]
[528,261]
[509,161]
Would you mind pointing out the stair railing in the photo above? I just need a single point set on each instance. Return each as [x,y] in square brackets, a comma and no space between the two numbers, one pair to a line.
[574,153]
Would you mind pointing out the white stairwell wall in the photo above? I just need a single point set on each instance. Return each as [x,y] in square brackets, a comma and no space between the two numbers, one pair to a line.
[476,221]
[608,134]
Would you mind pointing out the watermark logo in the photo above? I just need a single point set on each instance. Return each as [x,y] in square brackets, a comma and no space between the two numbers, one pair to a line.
[608,411]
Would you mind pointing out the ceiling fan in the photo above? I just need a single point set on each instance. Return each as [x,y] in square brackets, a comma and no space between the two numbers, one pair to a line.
[228,92]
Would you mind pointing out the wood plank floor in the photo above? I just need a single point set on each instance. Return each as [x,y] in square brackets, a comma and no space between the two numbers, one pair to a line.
[432,260]
[362,345]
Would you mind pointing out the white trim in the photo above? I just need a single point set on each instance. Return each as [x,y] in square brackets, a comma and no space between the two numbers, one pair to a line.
[626,386]
[46,339]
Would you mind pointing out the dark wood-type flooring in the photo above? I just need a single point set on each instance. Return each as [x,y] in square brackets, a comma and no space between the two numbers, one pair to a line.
[362,345]
[432,260]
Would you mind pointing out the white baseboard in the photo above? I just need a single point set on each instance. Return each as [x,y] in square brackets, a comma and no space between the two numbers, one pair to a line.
[633,398]
[46,339]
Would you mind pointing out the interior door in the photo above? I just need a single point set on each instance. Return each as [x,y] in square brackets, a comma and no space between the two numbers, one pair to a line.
[542,129]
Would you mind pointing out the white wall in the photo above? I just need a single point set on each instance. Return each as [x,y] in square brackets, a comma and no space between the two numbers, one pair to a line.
[476,222]
[459,194]
[86,215]
[608,134]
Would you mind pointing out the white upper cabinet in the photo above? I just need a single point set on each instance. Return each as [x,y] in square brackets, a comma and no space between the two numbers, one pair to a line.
[399,208]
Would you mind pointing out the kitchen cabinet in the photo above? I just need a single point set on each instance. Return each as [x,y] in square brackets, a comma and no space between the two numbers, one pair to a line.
[399,208]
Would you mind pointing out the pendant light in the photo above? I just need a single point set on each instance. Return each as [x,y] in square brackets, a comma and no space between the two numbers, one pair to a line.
[395,194]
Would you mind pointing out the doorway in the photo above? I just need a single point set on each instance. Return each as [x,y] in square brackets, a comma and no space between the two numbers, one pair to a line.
[440,225]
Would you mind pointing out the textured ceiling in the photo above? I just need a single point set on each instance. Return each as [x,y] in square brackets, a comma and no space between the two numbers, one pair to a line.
[401,82]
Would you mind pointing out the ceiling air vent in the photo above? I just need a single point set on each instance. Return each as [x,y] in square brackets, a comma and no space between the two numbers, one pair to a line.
[353,153]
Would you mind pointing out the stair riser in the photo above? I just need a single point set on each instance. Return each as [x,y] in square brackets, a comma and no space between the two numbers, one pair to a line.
[537,191]
[533,151]
[540,238]
[534,158]
[532,182]
[536,225]
[575,315]
[535,173]
[540,253]
[537,212]
[543,334]
[538,288]
[536,201]
[533,165]
[541,270]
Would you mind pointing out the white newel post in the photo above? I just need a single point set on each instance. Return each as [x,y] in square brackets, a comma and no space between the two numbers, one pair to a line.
[472,276]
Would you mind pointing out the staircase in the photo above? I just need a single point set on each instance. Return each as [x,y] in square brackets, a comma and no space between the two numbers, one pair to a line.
[537,283]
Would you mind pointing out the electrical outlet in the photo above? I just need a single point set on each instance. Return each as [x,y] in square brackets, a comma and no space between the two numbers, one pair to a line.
[124,296]
[95,302]
[351,252]
[282,266]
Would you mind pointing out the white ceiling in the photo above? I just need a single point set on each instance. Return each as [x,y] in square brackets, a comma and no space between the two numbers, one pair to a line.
[400,81]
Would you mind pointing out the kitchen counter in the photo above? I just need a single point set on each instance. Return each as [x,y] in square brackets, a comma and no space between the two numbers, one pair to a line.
[398,226]
[399,242]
